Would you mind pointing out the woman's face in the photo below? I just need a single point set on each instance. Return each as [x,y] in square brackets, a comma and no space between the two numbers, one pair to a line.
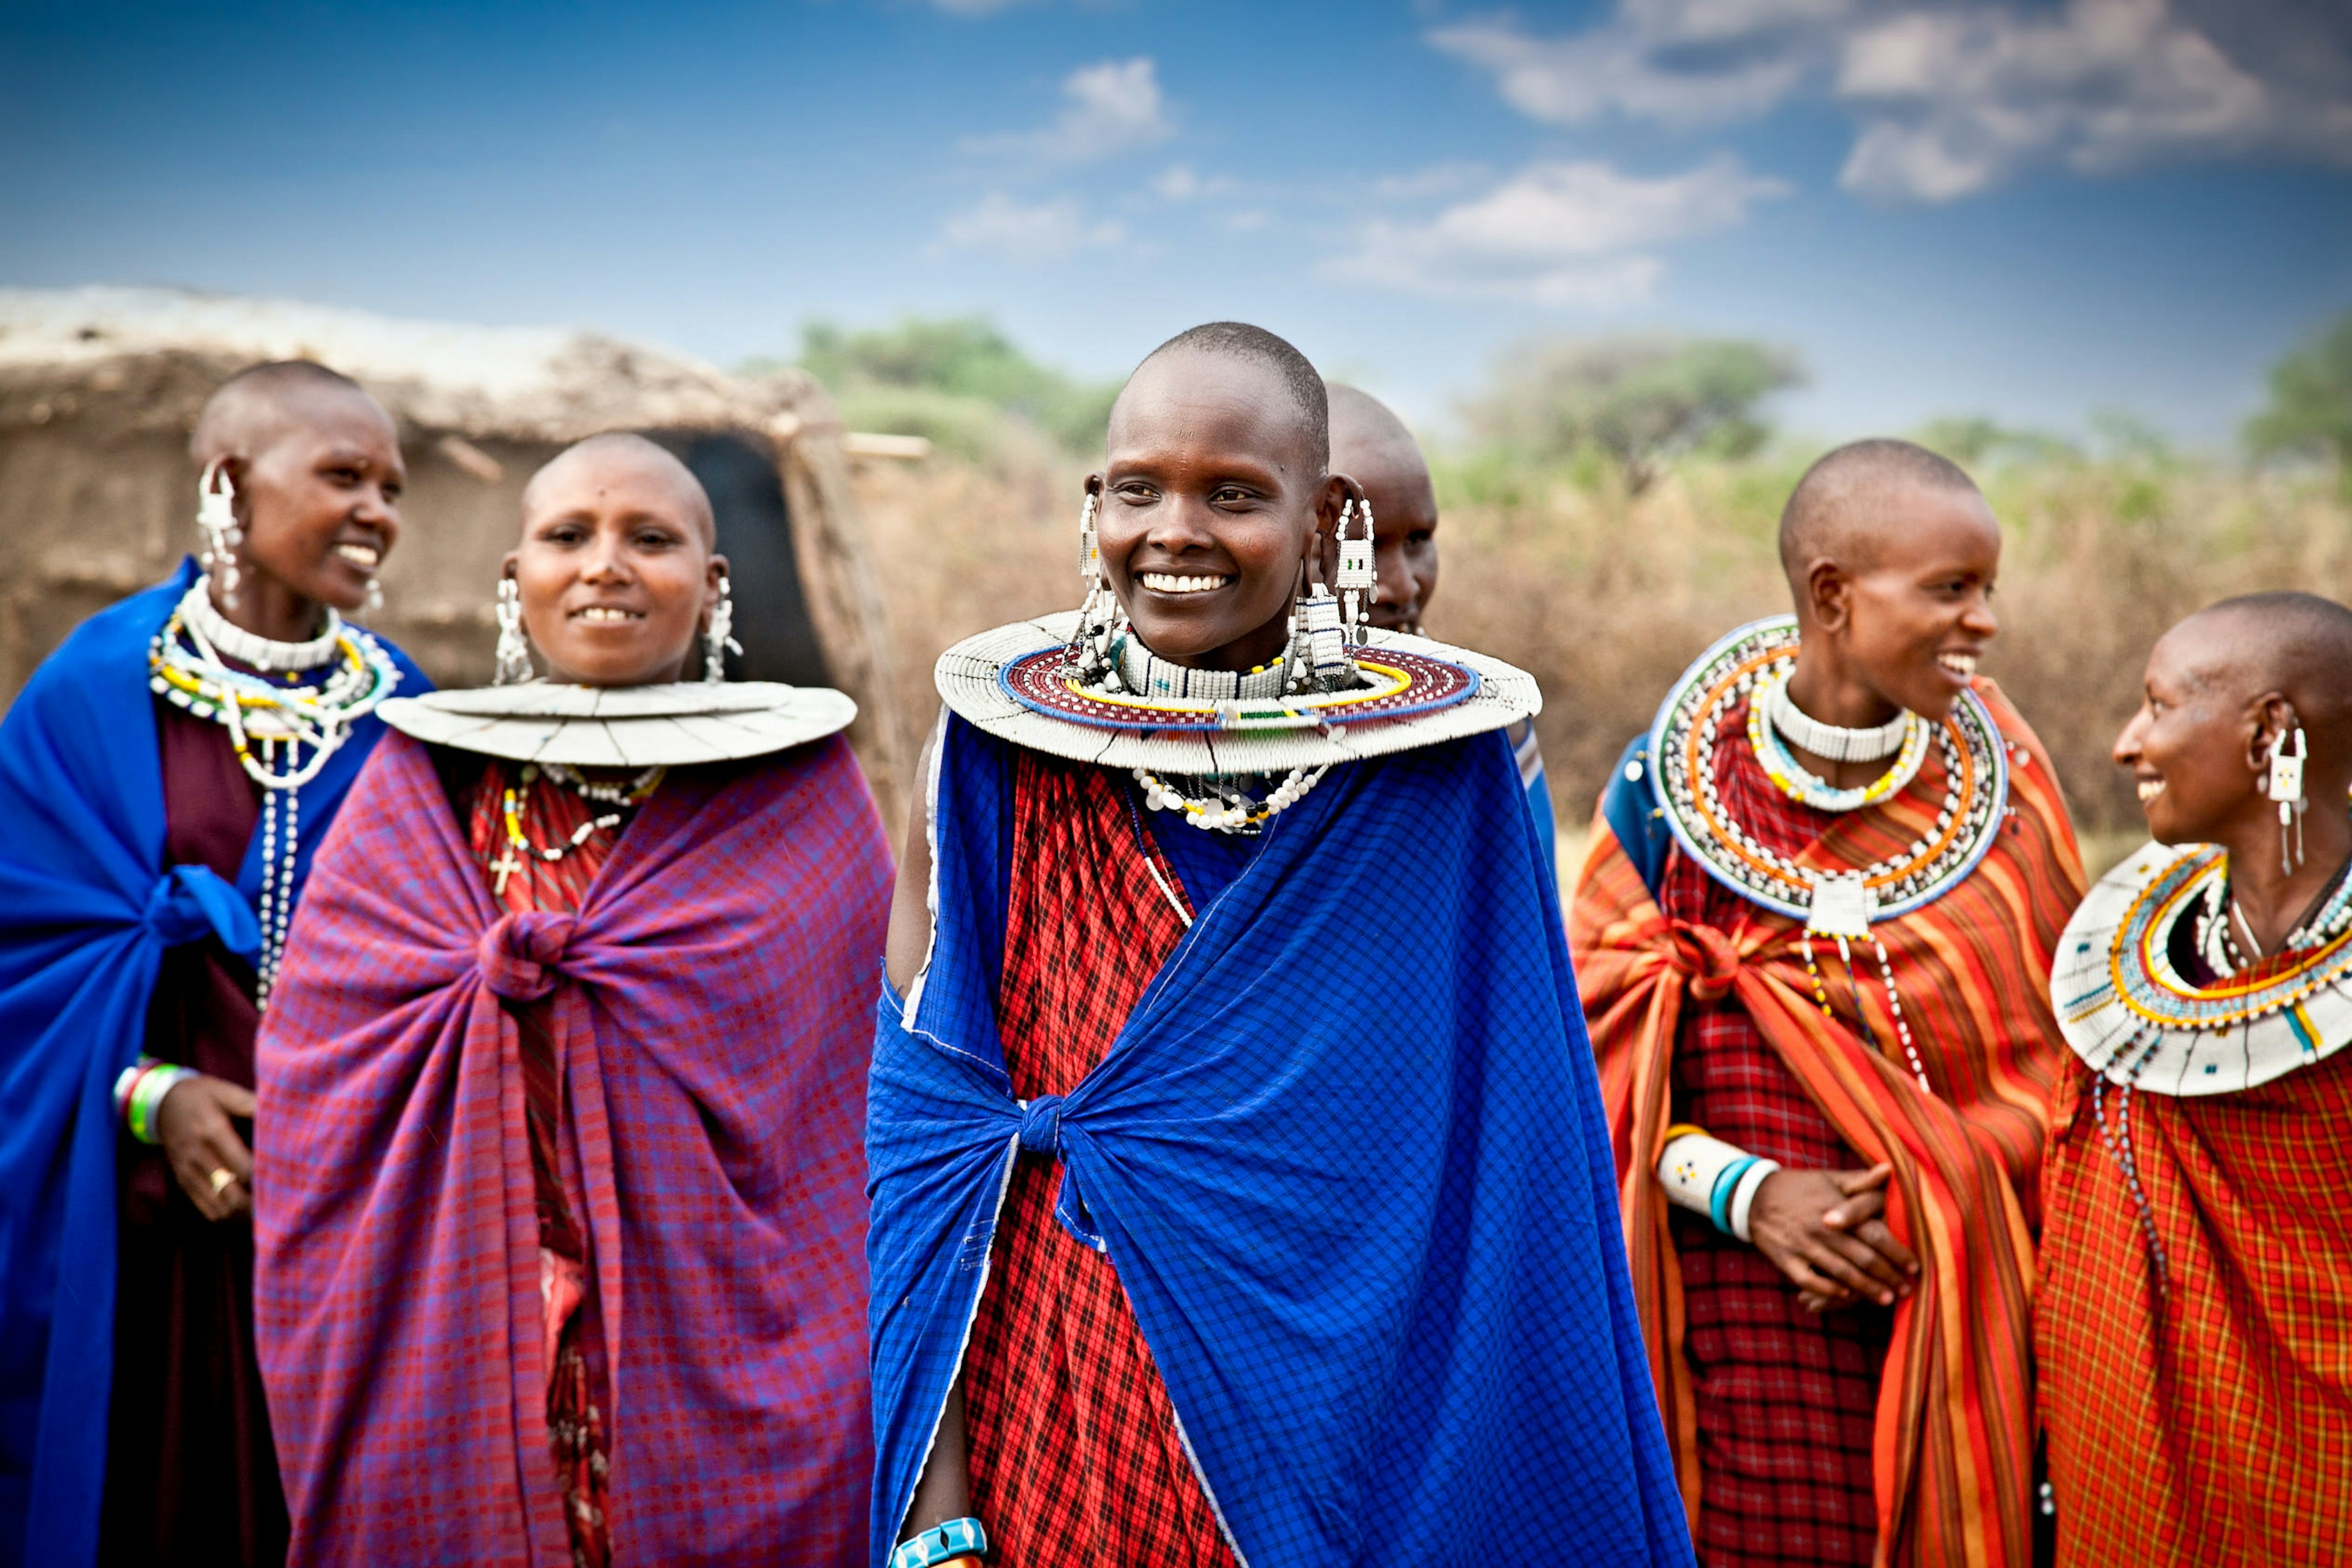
[2198,747]
[1211,501]
[319,503]
[615,568]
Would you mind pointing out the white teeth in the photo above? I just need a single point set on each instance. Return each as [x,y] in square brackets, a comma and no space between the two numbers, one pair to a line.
[1168,582]
[605,613]
[1960,664]
[2149,789]
[362,556]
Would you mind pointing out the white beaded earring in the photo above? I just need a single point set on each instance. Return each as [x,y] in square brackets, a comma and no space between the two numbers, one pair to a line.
[1101,623]
[720,639]
[374,597]
[2286,788]
[1358,578]
[514,648]
[216,522]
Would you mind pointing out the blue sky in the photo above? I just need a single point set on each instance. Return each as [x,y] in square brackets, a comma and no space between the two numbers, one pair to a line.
[2035,210]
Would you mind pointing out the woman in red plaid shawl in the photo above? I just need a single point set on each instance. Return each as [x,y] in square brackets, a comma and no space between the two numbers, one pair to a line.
[560,1244]
[2195,1322]
[1812,937]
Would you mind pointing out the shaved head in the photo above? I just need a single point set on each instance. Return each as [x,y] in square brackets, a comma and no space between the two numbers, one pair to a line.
[1366,433]
[589,462]
[248,413]
[1239,340]
[1847,501]
[2297,645]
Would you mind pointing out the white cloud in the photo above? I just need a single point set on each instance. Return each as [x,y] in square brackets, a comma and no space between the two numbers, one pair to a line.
[1182,183]
[1949,99]
[1109,109]
[1018,231]
[1557,233]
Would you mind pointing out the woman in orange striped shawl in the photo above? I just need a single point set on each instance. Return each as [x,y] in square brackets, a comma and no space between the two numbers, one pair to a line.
[1835,1266]
[2195,1324]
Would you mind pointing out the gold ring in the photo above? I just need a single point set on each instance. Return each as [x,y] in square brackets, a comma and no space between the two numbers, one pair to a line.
[221,1178]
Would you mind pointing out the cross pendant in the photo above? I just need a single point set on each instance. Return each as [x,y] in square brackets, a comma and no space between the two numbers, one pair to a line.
[507,866]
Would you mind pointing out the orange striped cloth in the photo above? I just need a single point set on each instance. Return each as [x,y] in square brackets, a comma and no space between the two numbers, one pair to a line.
[2211,1425]
[1954,1440]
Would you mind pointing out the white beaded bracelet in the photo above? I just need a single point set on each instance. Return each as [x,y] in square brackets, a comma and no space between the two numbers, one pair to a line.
[1709,1176]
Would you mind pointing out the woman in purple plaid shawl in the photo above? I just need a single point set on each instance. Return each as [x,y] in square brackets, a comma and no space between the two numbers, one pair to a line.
[560,1239]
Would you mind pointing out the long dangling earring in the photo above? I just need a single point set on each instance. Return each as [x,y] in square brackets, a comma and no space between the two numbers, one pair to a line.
[374,597]
[216,522]
[1092,653]
[2286,789]
[720,639]
[1357,578]
[1318,642]
[514,648]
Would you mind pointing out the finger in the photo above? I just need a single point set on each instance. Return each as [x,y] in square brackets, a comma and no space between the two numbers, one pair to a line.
[1881,1240]
[1887,1275]
[1806,1278]
[1814,1301]
[1853,1182]
[1854,1210]
[1821,1252]
[227,1151]
[234,1100]
[195,1176]
[236,1200]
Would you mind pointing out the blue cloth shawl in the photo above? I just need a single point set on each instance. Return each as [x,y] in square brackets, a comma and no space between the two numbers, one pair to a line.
[87,908]
[1348,1158]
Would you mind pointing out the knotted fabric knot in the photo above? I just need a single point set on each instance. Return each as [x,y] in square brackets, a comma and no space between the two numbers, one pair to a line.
[518,954]
[1705,958]
[1041,1125]
[189,903]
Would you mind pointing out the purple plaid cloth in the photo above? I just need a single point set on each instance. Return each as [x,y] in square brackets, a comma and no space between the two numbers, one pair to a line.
[710,1013]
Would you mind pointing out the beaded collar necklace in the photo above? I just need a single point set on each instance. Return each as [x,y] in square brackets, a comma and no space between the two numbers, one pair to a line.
[1833,903]
[283,731]
[1149,676]
[1830,740]
[1798,783]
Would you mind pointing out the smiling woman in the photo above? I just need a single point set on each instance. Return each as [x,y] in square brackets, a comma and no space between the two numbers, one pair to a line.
[660,903]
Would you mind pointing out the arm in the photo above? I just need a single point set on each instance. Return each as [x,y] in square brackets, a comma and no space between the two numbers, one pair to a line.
[1822,1229]
[909,943]
[944,1492]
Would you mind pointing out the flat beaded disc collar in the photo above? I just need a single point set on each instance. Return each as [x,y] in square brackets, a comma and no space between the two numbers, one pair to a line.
[1014,683]
[1746,665]
[2128,1013]
[673,724]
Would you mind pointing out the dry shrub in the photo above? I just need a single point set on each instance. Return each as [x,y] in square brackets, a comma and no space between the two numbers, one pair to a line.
[1606,597]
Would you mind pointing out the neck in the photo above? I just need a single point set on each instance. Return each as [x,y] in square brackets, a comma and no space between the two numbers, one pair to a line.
[1245,652]
[268,608]
[2271,897]
[1826,689]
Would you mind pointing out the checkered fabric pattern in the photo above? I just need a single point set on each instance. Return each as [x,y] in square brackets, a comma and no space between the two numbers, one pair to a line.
[1787,1399]
[1345,1158]
[1953,1438]
[2209,1426]
[708,999]
[1074,1457]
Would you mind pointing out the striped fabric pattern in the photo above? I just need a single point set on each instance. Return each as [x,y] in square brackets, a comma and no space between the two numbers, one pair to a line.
[2209,1426]
[709,1002]
[1953,1438]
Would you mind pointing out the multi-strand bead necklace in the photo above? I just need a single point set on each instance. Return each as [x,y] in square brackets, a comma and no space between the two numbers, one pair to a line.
[623,797]
[283,730]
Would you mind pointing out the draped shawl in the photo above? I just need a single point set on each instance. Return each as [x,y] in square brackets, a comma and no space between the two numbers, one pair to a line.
[87,908]
[710,1012]
[1348,1158]
[1954,1437]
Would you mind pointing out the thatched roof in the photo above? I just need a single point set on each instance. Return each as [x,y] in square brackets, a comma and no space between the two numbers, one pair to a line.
[520,384]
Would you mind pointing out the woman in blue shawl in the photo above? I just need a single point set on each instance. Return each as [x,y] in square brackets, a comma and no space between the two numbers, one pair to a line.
[165,776]
[1241,1194]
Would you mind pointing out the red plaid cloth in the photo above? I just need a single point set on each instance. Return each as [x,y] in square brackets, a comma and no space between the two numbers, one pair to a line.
[1787,1399]
[712,1011]
[577,1394]
[1074,1454]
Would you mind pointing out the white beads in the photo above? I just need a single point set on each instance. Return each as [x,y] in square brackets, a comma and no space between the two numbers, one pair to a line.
[1230,811]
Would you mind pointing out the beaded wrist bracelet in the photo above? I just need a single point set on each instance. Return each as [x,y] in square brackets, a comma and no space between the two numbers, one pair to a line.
[1711,1177]
[957,1540]
[138,1092]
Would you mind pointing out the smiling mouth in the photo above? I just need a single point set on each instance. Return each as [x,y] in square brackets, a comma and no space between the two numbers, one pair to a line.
[2149,789]
[1963,665]
[607,614]
[364,556]
[1169,583]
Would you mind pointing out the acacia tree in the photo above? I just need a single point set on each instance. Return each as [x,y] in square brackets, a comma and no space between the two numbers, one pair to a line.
[1640,401]
[2310,411]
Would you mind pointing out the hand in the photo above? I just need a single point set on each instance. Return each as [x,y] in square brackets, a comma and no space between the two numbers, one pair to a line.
[1824,1229]
[193,1125]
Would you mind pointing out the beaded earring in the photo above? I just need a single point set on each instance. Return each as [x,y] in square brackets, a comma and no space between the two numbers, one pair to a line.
[1319,623]
[1093,651]
[2285,787]
[514,647]
[720,640]
[216,522]
[1357,578]
[374,597]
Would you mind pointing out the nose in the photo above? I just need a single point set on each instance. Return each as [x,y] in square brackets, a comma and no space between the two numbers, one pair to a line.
[606,562]
[1980,621]
[1179,523]
[2128,744]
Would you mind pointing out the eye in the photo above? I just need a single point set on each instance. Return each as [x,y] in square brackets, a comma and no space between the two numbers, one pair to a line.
[1230,495]
[1419,536]
[655,538]
[1134,491]
[391,492]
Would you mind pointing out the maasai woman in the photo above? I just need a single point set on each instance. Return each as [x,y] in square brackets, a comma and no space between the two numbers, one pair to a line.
[2196,1308]
[1814,933]
[1236,1200]
[166,776]
[560,1224]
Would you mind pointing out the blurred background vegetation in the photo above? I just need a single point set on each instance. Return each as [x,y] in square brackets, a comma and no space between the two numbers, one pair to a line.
[1609,506]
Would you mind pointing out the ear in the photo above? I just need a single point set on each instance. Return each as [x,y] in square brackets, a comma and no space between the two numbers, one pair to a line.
[507,562]
[1829,595]
[2274,720]
[1330,500]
